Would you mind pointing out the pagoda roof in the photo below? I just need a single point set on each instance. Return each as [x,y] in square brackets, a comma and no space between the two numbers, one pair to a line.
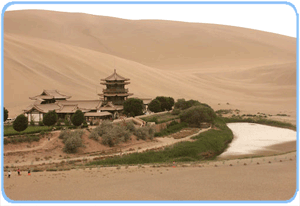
[50,94]
[109,106]
[115,77]
[113,83]
[116,94]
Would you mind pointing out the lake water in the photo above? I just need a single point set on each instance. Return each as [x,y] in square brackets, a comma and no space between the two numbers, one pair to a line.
[249,138]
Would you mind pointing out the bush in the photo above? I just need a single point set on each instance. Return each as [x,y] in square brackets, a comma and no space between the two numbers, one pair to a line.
[155,106]
[130,126]
[173,127]
[72,143]
[194,116]
[41,123]
[20,123]
[182,104]
[84,125]
[110,134]
[64,135]
[176,112]
[153,119]
[77,118]
[94,135]
[58,122]
[6,141]
[5,114]
[145,133]
[166,103]
[133,107]
[50,118]
[67,122]
[72,140]
[32,123]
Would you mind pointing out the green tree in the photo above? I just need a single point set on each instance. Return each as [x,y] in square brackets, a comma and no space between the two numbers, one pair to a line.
[50,118]
[155,106]
[133,107]
[166,103]
[20,123]
[77,118]
[5,114]
[195,115]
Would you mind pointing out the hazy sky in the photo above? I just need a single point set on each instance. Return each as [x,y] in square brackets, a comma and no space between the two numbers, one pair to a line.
[280,19]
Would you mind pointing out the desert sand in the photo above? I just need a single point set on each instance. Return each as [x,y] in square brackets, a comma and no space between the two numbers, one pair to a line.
[268,178]
[223,66]
[252,71]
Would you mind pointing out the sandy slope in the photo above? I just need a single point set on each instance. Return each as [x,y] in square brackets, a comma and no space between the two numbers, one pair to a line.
[270,178]
[251,70]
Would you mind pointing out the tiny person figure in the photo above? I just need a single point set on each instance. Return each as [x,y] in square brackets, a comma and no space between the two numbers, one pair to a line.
[28,172]
[19,171]
[9,173]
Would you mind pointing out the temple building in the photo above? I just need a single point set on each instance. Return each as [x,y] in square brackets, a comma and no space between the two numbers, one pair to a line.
[51,100]
[115,91]
[109,106]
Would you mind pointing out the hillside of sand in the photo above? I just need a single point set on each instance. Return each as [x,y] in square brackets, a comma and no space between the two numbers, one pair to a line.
[226,67]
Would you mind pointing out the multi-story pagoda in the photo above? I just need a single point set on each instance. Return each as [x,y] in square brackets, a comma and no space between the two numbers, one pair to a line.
[115,91]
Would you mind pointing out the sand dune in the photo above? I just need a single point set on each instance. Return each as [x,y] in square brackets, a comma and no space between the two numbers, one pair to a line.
[251,70]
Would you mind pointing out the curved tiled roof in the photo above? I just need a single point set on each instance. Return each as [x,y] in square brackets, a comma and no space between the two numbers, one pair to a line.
[50,94]
[115,77]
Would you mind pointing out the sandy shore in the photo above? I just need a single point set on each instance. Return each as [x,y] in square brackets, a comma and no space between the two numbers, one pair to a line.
[265,178]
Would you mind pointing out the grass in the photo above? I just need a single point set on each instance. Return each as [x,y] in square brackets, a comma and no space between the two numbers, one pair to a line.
[260,121]
[208,145]
[171,129]
[9,130]
[20,139]
[161,118]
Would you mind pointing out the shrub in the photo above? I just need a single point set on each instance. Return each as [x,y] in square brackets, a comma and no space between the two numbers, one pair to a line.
[6,141]
[32,123]
[114,135]
[133,107]
[130,126]
[171,128]
[20,123]
[41,123]
[166,103]
[176,112]
[84,125]
[155,106]
[194,116]
[72,141]
[58,122]
[145,132]
[64,135]
[50,118]
[153,119]
[182,104]
[141,133]
[94,135]
[77,118]
[67,122]
[5,114]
